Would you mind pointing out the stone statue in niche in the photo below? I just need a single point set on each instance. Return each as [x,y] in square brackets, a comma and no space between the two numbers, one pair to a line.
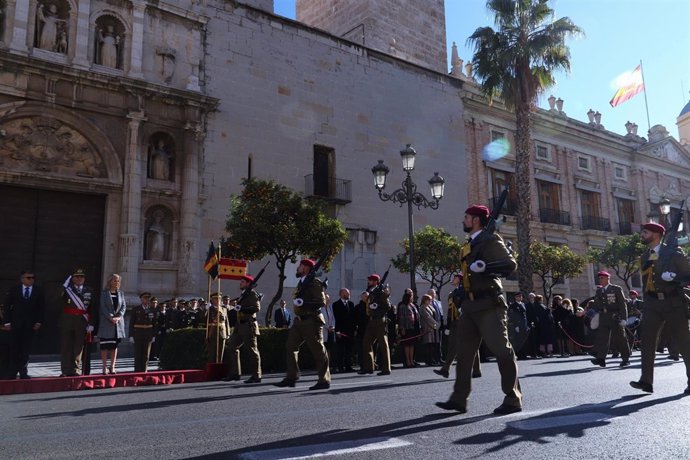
[52,31]
[107,47]
[160,159]
[157,238]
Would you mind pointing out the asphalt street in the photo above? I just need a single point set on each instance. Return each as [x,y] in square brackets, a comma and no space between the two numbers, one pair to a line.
[572,410]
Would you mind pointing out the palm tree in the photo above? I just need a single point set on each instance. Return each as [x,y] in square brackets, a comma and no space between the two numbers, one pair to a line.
[516,63]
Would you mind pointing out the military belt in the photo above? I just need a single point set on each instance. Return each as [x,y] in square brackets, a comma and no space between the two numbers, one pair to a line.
[248,321]
[662,295]
[303,317]
[476,295]
[143,326]
[74,311]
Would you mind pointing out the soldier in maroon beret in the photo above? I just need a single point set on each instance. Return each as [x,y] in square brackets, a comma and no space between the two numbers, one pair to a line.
[246,331]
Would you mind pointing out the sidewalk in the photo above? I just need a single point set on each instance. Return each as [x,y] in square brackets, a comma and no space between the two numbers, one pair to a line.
[49,365]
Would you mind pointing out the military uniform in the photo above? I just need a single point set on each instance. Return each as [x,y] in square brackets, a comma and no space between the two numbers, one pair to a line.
[76,324]
[609,301]
[245,332]
[378,305]
[217,329]
[484,315]
[307,328]
[664,303]
[142,327]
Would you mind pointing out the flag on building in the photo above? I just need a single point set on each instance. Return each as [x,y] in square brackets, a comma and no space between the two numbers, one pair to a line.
[232,269]
[211,264]
[629,85]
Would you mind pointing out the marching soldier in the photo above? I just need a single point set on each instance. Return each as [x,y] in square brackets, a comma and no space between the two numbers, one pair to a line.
[245,331]
[307,327]
[484,309]
[609,301]
[378,305]
[665,303]
[142,329]
[77,324]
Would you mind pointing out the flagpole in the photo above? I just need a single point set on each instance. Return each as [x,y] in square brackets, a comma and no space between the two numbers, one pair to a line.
[649,125]
[220,301]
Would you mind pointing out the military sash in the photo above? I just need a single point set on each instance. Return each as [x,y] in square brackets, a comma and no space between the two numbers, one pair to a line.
[75,298]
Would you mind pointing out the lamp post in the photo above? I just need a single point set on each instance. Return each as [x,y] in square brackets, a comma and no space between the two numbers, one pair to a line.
[408,194]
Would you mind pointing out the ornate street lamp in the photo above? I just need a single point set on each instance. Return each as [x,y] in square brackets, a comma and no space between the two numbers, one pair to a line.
[408,194]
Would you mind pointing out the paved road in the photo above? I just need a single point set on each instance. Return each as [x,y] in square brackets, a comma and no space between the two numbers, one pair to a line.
[573,410]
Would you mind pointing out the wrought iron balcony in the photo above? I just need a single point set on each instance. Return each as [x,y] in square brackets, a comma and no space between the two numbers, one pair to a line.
[330,189]
[554,216]
[625,228]
[596,223]
[509,208]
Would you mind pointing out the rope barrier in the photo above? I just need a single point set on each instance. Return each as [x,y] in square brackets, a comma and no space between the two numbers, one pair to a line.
[627,329]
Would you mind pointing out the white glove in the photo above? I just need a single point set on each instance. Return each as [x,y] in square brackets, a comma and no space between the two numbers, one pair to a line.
[446,332]
[668,276]
[373,306]
[131,340]
[298,302]
[478,266]
[623,323]
[517,329]
[89,328]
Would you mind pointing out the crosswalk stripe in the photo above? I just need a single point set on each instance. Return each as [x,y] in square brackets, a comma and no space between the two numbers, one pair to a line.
[327,449]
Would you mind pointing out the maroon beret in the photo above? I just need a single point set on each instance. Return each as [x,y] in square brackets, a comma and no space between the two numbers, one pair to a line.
[634,292]
[308,262]
[248,278]
[604,273]
[374,277]
[478,210]
[654,227]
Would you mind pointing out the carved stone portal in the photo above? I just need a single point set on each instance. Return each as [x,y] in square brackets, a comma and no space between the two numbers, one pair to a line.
[47,145]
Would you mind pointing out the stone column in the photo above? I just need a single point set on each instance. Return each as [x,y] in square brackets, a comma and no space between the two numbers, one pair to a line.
[189,262]
[137,54]
[130,238]
[80,42]
[21,26]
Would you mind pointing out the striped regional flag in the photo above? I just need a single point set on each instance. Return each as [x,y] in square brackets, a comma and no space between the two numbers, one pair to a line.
[232,269]
[630,84]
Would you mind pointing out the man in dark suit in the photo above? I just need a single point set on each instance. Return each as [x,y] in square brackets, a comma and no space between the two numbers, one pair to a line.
[282,316]
[344,314]
[24,308]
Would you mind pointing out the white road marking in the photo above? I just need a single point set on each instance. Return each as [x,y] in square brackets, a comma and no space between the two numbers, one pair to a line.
[322,450]
[542,423]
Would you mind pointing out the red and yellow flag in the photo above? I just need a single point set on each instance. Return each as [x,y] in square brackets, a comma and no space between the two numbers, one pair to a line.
[232,269]
[630,84]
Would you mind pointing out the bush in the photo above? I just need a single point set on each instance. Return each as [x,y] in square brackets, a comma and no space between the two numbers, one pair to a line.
[184,349]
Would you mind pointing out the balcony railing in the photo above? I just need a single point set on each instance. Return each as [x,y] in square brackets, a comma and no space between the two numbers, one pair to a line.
[625,228]
[554,216]
[596,223]
[509,208]
[331,189]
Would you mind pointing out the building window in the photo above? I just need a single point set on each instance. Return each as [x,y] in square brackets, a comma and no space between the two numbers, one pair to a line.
[324,166]
[626,215]
[620,172]
[499,181]
[496,135]
[591,212]
[543,152]
[550,204]
[584,164]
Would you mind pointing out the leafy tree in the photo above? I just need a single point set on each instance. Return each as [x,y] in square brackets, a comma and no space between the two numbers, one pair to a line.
[436,253]
[516,63]
[552,264]
[621,254]
[269,219]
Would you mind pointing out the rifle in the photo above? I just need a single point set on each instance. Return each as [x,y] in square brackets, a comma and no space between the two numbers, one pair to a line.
[312,274]
[669,243]
[496,211]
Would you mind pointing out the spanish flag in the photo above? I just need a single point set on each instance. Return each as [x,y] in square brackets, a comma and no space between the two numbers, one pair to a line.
[232,269]
[629,85]
[211,265]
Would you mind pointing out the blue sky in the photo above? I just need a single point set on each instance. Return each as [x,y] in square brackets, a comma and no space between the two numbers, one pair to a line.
[618,34]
